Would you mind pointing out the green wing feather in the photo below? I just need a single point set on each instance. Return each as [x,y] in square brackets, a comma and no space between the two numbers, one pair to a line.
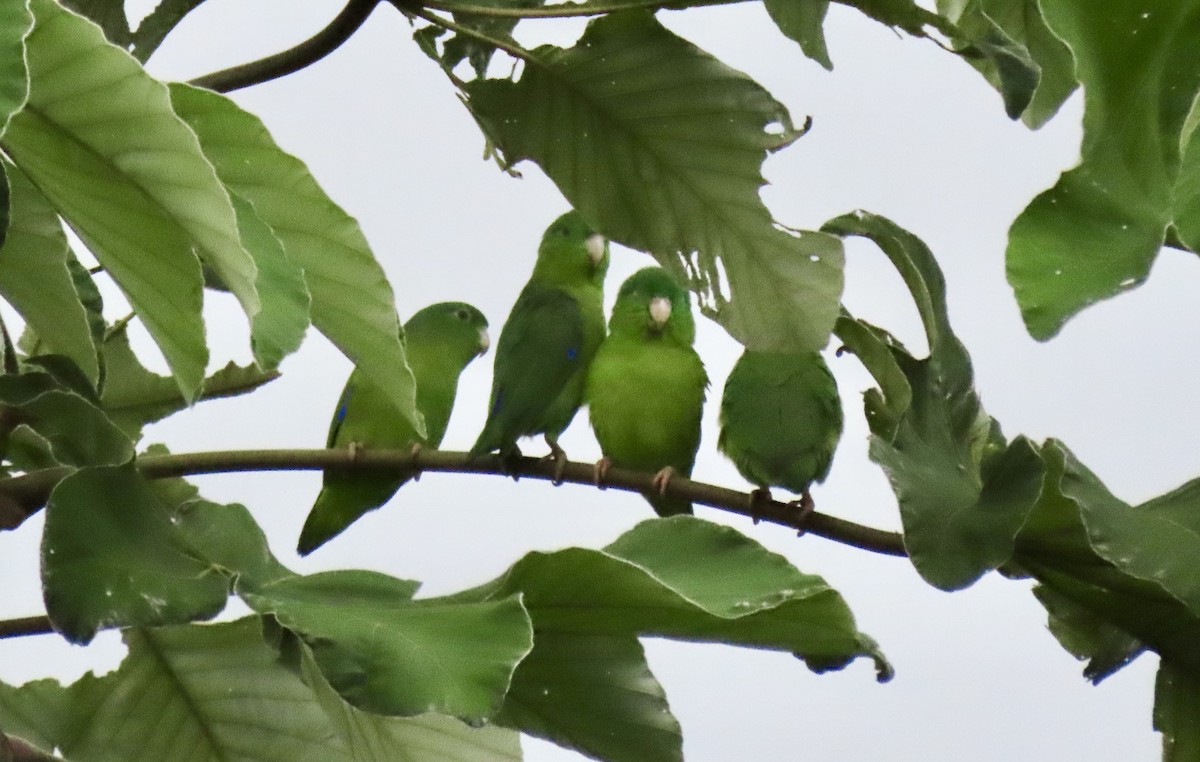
[781,419]
[539,357]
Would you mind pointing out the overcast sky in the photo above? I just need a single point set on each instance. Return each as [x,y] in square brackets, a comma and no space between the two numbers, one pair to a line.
[900,128]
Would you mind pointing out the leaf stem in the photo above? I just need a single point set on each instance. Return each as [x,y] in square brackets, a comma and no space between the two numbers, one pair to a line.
[293,59]
[31,490]
[516,51]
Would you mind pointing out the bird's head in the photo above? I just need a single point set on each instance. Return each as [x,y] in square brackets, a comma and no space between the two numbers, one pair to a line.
[459,328]
[572,252]
[651,304]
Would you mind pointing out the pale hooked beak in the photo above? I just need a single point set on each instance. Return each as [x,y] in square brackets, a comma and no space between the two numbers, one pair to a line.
[484,341]
[660,311]
[595,248]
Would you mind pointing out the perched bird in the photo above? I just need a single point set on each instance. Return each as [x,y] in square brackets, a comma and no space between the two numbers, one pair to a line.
[781,418]
[440,340]
[548,341]
[645,389]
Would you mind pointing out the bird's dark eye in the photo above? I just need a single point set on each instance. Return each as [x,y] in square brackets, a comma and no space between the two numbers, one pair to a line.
[462,314]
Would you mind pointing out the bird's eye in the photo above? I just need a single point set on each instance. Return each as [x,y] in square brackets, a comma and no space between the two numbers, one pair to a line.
[462,314]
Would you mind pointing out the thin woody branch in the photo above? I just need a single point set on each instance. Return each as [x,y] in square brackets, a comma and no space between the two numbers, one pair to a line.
[294,59]
[31,491]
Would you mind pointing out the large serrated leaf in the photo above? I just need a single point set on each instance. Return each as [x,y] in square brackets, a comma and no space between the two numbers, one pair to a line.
[1097,231]
[661,146]
[202,693]
[596,694]
[112,557]
[352,302]
[35,279]
[99,139]
[389,655]
[963,491]
[15,23]
[424,738]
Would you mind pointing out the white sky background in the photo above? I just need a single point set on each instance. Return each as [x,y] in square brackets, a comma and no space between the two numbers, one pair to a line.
[901,128]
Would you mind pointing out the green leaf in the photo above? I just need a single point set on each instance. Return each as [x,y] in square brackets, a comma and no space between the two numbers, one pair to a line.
[1056,547]
[285,298]
[134,396]
[15,23]
[1157,541]
[661,146]
[963,492]
[112,557]
[677,578]
[199,693]
[459,47]
[1085,635]
[594,694]
[1018,26]
[99,139]
[1177,713]
[35,279]
[1096,232]
[352,302]
[155,27]
[875,349]
[388,655]
[108,14]
[78,432]
[902,14]
[35,711]
[229,539]
[682,578]
[804,22]
[424,738]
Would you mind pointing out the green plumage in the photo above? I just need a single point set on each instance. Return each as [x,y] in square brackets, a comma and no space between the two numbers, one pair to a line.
[549,340]
[646,386]
[781,418]
[440,340]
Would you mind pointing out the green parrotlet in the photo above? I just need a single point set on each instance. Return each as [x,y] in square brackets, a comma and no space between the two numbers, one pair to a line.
[781,419]
[646,386]
[548,341]
[440,340]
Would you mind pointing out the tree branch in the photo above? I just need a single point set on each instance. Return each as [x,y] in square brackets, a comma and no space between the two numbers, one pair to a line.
[306,53]
[31,491]
[562,10]
[30,625]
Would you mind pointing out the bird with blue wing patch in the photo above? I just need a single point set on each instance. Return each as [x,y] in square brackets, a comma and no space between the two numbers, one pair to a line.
[440,341]
[548,342]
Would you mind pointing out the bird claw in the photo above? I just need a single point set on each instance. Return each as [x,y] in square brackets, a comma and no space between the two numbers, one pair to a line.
[414,452]
[559,456]
[804,508]
[600,472]
[662,479]
[355,449]
[757,498]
